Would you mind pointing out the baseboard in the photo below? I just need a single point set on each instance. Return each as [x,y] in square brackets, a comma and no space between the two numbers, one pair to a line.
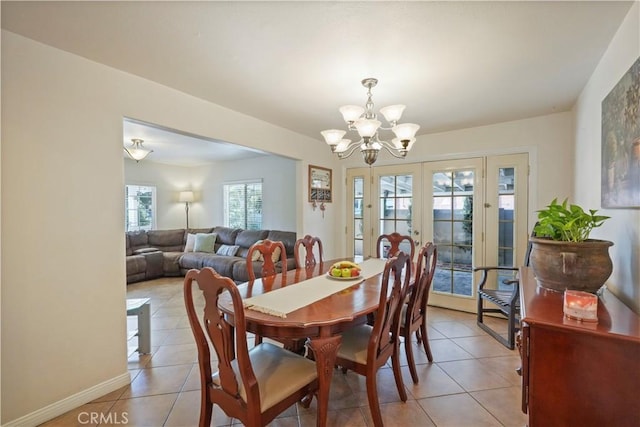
[65,405]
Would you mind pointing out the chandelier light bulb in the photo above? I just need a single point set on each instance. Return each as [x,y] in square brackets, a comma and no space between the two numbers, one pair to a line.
[392,113]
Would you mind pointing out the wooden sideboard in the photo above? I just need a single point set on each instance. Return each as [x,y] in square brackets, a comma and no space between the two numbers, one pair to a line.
[576,373]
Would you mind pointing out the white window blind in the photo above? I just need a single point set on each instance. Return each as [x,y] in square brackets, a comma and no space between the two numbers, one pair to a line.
[140,207]
[243,205]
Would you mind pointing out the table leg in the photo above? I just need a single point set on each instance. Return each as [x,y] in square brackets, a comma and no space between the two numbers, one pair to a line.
[325,350]
[144,329]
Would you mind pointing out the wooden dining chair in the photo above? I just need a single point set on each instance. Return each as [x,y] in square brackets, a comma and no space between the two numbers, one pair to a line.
[266,253]
[395,240]
[308,242]
[253,386]
[365,348]
[413,318]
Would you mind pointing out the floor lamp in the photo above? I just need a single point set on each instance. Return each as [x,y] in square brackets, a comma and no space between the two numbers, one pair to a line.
[186,197]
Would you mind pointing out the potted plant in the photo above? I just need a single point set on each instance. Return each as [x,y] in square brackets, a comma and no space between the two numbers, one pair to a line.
[563,256]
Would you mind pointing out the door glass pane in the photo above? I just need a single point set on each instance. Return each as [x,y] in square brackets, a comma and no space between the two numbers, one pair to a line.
[506,224]
[358,212]
[395,193]
[453,230]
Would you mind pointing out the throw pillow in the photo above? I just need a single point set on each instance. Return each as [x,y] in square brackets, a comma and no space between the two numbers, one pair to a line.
[191,241]
[205,243]
[275,256]
[229,250]
[256,255]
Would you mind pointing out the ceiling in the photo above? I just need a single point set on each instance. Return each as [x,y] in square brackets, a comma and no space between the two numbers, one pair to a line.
[453,64]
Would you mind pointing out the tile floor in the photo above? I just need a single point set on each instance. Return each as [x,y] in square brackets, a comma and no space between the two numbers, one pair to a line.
[472,381]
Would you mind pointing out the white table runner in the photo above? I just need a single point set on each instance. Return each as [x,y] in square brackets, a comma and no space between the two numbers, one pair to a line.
[290,298]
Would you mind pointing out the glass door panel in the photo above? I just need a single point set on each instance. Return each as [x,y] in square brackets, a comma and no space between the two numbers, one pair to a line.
[359,221]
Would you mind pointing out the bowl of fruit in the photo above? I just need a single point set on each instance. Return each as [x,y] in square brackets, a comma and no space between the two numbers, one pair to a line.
[344,270]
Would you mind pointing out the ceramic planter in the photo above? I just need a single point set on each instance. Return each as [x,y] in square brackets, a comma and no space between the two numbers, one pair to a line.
[583,266]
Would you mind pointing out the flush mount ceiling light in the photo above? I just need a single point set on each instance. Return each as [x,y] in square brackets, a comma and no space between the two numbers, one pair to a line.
[364,121]
[136,151]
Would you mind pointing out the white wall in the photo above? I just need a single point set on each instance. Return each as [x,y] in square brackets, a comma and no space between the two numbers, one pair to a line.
[624,226]
[63,273]
[278,176]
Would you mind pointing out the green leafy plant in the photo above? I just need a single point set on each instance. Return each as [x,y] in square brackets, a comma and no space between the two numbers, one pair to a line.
[567,223]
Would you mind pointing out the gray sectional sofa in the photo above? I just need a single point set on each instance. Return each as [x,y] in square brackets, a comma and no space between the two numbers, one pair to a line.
[157,253]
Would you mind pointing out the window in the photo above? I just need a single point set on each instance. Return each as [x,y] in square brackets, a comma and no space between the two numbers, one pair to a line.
[243,205]
[140,207]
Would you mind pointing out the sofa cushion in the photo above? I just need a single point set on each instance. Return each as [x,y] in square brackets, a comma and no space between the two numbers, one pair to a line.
[246,238]
[138,239]
[171,265]
[127,243]
[191,241]
[167,240]
[226,235]
[205,243]
[288,238]
[223,264]
[228,250]
[136,264]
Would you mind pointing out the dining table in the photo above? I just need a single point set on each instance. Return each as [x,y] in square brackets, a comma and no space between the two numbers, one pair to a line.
[308,303]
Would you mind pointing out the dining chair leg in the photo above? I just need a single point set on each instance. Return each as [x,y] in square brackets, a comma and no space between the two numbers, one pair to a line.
[258,340]
[372,396]
[206,410]
[425,340]
[397,374]
[408,349]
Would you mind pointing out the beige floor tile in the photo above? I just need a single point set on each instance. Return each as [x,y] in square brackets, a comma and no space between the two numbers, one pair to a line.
[455,329]
[473,375]
[168,322]
[457,410]
[147,411]
[447,350]
[89,414]
[186,412]
[193,379]
[483,346]
[387,389]
[402,414]
[432,381]
[180,354]
[347,417]
[505,366]
[160,380]
[180,336]
[114,395]
[504,404]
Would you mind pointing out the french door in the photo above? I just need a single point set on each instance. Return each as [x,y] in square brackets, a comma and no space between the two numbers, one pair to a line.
[385,199]
[474,210]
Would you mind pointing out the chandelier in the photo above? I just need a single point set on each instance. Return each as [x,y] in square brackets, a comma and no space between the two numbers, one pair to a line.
[136,151]
[364,121]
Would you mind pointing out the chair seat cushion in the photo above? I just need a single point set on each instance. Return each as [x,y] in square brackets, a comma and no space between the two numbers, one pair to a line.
[279,373]
[354,344]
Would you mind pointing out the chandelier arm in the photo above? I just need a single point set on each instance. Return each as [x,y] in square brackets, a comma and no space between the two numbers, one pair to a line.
[393,150]
[351,148]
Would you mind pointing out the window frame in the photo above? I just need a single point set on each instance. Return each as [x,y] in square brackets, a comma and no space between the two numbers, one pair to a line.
[245,219]
[153,207]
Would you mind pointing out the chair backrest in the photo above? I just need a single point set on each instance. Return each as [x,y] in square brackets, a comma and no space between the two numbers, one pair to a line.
[308,242]
[397,274]
[267,252]
[425,270]
[395,240]
[222,335]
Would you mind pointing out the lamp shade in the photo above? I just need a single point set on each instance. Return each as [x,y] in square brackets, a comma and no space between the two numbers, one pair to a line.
[405,131]
[186,196]
[351,113]
[333,136]
[367,127]
[136,151]
[392,113]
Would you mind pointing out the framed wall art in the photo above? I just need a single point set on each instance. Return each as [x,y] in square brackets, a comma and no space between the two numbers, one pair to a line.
[320,184]
[620,174]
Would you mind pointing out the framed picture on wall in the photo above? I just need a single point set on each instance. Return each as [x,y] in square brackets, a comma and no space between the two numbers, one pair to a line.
[320,184]
[620,175]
